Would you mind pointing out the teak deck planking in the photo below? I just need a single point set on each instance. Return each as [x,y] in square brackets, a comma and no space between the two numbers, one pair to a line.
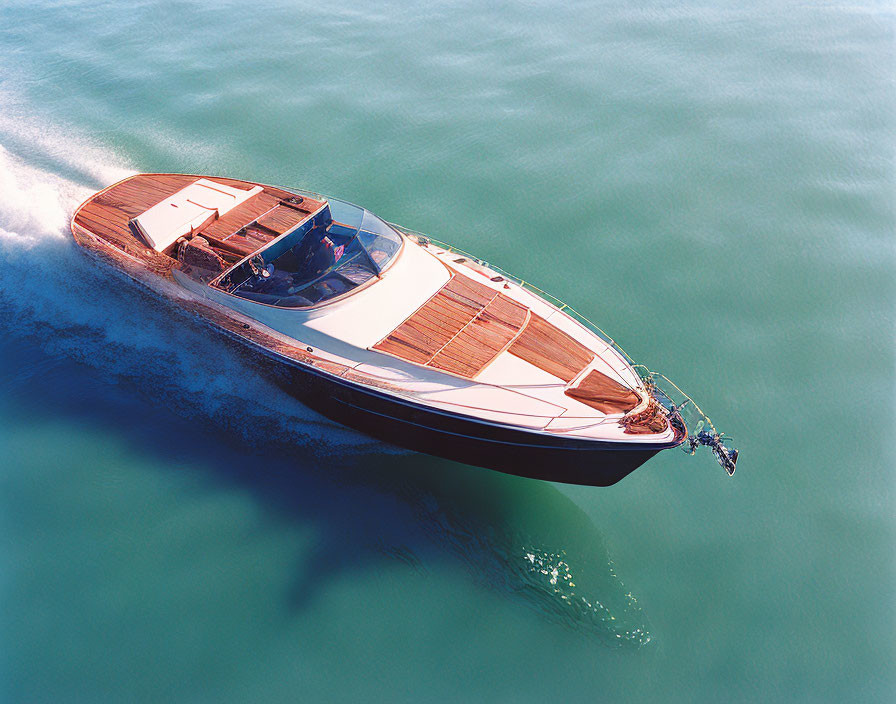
[483,338]
[462,328]
[466,324]
[281,218]
[550,349]
[228,225]
[436,322]
[107,214]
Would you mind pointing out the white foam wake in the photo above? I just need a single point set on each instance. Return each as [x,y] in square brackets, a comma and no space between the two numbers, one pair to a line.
[45,171]
[56,147]
[54,296]
[34,204]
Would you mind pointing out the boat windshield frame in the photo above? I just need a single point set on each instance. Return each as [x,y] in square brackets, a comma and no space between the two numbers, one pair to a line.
[353,220]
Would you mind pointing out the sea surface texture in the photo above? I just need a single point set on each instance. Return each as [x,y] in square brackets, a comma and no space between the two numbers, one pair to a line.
[712,182]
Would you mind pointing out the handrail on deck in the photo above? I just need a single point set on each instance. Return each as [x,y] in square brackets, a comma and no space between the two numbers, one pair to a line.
[673,407]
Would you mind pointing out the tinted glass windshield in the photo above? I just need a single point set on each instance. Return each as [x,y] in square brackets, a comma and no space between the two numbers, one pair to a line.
[342,248]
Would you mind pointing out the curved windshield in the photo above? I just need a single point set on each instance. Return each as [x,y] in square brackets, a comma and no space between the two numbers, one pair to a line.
[340,249]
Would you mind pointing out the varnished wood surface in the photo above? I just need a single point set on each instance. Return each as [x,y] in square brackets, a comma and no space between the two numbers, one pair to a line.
[483,339]
[461,329]
[605,394]
[107,214]
[437,321]
[228,225]
[466,324]
[550,349]
[281,219]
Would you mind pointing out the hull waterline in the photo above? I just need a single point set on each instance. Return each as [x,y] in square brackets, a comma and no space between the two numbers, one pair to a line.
[453,436]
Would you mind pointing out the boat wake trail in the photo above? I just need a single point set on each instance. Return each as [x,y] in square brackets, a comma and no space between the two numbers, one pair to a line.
[34,204]
[69,306]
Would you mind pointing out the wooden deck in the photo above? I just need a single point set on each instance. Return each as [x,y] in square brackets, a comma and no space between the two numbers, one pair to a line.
[237,234]
[466,324]
[483,339]
[462,328]
[551,349]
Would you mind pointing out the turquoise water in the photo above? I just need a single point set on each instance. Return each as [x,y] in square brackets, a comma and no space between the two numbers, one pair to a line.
[713,184]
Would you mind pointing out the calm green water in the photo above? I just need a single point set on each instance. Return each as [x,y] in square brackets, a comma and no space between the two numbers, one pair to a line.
[713,184]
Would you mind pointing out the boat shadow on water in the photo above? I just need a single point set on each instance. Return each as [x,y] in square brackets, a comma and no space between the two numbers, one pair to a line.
[370,505]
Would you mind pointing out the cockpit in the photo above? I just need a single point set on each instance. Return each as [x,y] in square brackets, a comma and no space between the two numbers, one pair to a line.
[331,254]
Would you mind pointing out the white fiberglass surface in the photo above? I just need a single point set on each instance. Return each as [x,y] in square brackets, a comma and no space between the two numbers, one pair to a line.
[349,326]
[509,390]
[509,370]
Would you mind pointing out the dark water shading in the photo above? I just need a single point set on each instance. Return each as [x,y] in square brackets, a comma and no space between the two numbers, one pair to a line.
[367,506]
[369,510]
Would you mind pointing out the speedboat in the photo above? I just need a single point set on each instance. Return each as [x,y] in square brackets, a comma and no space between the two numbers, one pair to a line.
[391,332]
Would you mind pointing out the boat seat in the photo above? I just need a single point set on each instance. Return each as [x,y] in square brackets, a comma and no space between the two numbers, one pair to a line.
[197,253]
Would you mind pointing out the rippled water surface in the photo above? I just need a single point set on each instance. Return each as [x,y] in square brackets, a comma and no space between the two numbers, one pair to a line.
[713,184]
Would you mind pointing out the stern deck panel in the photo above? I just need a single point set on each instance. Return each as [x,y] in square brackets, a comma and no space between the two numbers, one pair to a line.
[107,214]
